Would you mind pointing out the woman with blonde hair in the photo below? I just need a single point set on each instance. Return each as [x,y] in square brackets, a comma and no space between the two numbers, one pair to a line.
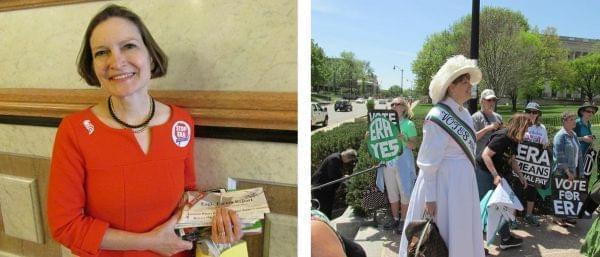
[399,175]
[498,161]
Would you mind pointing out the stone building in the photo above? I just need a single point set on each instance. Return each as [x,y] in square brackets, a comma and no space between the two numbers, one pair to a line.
[577,47]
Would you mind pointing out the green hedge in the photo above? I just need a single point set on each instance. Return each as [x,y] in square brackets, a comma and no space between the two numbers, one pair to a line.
[324,143]
[358,184]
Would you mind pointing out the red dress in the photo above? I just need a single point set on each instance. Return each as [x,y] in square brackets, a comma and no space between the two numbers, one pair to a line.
[101,178]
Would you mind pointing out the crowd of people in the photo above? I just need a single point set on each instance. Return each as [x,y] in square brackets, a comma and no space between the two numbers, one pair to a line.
[463,156]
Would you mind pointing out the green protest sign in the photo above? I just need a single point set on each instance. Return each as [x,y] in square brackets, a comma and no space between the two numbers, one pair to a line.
[383,139]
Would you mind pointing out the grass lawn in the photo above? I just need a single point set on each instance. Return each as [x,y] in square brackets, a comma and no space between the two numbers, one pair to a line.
[550,117]
[547,110]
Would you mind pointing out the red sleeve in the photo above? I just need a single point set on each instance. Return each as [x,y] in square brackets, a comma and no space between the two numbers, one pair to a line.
[67,197]
[190,168]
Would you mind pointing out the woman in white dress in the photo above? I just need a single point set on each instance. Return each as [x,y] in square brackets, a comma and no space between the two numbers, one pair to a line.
[446,188]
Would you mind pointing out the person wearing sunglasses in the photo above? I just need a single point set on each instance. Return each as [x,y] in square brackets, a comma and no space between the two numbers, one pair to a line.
[538,134]
[399,175]
[583,127]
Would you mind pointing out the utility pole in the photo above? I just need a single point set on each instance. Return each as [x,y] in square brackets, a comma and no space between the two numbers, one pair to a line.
[474,51]
[401,81]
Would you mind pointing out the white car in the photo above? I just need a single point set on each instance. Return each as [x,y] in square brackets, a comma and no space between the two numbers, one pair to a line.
[360,101]
[318,115]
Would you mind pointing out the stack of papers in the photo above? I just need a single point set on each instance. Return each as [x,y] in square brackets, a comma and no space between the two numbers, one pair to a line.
[250,205]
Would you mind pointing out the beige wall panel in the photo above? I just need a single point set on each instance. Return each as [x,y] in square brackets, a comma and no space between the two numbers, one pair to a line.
[218,159]
[21,208]
[211,44]
[32,168]
[27,140]
[280,235]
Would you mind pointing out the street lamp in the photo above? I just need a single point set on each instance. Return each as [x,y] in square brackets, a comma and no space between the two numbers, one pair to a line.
[396,67]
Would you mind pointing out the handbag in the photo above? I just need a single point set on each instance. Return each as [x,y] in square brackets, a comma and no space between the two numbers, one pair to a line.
[373,199]
[424,239]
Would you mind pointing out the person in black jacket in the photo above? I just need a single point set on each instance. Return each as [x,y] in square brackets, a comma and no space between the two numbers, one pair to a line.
[331,168]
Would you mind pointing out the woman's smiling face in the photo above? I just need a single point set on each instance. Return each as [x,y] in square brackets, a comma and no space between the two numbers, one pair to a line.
[121,60]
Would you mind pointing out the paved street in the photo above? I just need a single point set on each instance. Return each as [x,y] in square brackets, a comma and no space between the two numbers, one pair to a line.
[358,110]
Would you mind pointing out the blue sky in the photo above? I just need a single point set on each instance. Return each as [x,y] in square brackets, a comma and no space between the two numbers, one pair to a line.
[389,33]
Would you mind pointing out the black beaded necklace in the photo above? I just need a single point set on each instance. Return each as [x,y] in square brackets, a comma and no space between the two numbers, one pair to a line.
[144,124]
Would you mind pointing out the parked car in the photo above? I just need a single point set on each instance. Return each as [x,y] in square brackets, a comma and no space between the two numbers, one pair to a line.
[343,105]
[381,101]
[360,100]
[318,115]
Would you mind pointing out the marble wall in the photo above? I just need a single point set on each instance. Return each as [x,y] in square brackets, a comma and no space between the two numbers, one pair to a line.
[212,45]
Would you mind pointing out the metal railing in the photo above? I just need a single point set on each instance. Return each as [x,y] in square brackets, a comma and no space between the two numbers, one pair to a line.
[347,177]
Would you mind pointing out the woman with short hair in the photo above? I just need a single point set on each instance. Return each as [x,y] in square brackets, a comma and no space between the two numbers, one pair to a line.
[567,154]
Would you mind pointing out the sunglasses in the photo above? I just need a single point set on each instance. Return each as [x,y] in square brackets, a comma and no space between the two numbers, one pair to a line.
[394,105]
[490,100]
[588,111]
[532,112]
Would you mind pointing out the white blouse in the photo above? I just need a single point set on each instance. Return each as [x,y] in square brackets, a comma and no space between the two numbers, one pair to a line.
[438,146]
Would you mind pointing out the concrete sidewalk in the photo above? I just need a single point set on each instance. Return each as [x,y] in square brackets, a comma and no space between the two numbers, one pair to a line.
[548,240]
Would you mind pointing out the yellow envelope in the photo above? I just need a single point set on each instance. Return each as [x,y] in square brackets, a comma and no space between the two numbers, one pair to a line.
[238,250]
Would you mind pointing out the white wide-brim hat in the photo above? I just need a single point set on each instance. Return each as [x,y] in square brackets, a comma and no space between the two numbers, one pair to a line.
[454,67]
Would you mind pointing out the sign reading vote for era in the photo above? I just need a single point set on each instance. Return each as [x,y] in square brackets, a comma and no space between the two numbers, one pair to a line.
[383,139]
[534,162]
[568,196]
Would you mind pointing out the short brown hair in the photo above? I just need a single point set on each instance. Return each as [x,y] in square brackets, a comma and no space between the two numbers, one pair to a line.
[518,124]
[461,78]
[85,62]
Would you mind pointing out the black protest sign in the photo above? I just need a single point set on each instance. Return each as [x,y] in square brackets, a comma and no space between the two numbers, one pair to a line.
[534,162]
[588,161]
[391,115]
[568,196]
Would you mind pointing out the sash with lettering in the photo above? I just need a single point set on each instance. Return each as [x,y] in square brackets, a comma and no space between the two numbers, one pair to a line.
[464,136]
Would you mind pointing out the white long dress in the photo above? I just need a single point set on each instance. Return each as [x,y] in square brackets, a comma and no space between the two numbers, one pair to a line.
[447,177]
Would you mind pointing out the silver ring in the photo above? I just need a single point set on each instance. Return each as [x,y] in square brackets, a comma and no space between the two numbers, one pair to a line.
[222,233]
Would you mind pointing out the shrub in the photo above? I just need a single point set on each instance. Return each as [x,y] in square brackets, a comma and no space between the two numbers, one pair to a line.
[358,184]
[370,105]
[324,143]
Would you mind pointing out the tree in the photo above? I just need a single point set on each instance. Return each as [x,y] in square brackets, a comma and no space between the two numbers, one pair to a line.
[395,90]
[437,48]
[515,61]
[587,75]
[368,79]
[319,71]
